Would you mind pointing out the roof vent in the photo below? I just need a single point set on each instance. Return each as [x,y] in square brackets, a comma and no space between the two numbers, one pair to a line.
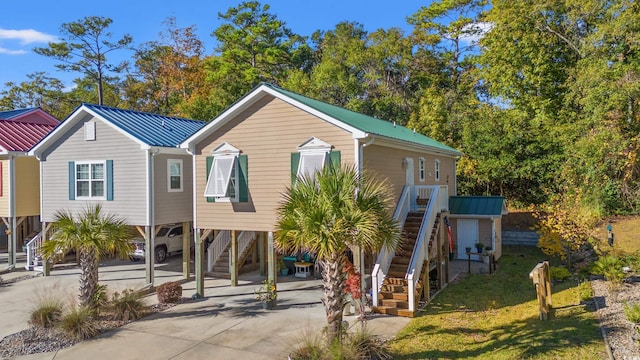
[394,124]
[162,123]
[414,130]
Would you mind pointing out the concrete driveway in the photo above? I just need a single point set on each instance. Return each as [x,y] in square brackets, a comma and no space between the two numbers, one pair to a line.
[227,323]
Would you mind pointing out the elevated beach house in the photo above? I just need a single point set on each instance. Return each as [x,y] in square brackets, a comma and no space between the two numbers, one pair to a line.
[245,158]
[129,162]
[20,130]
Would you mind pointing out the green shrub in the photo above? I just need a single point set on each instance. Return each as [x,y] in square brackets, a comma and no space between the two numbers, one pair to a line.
[128,305]
[361,344]
[311,347]
[101,297]
[610,267]
[79,323]
[585,292]
[46,313]
[559,273]
[367,346]
[632,312]
[170,292]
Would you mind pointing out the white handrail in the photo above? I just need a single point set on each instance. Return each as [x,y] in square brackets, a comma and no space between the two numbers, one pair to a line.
[245,239]
[421,249]
[33,247]
[218,247]
[383,262]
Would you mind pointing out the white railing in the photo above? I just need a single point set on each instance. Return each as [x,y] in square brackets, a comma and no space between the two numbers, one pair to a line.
[444,198]
[33,249]
[383,262]
[245,239]
[218,247]
[421,249]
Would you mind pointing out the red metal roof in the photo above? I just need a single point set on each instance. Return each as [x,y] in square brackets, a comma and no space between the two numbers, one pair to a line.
[21,136]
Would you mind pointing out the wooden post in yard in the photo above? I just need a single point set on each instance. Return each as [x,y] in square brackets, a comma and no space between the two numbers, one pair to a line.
[542,280]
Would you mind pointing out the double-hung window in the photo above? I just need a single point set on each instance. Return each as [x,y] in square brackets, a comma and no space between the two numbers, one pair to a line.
[421,169]
[90,180]
[437,170]
[226,175]
[174,175]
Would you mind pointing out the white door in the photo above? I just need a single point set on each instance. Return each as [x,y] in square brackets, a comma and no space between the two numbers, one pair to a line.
[409,176]
[467,237]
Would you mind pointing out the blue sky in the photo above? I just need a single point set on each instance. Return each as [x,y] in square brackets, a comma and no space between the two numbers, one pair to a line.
[25,24]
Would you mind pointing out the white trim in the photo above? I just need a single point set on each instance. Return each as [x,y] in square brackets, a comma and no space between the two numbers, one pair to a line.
[436,170]
[90,180]
[180,175]
[89,130]
[421,169]
[230,176]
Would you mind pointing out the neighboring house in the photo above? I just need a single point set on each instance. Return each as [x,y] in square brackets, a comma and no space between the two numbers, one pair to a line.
[247,156]
[477,219]
[127,161]
[20,130]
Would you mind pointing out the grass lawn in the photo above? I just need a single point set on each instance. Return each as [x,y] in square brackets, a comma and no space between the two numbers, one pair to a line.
[496,316]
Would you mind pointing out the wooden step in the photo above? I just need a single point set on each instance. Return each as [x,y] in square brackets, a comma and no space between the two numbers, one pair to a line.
[393,311]
[400,304]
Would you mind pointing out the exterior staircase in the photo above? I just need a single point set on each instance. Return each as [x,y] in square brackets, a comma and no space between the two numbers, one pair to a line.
[394,296]
[246,246]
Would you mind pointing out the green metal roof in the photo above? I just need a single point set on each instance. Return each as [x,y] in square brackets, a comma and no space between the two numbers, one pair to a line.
[477,205]
[366,123]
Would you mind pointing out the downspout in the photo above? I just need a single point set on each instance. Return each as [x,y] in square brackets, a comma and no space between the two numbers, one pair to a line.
[150,249]
[360,167]
[12,211]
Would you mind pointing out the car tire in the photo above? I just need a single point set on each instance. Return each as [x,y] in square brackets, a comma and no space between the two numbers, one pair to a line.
[161,254]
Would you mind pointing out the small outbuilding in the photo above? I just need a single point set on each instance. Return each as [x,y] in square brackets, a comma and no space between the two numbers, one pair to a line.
[475,219]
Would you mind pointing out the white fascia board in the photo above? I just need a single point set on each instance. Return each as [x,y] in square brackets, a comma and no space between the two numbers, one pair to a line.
[165,150]
[409,146]
[249,100]
[71,121]
[471,216]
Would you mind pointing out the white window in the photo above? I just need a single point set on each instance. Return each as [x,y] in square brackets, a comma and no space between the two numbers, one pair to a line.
[437,170]
[222,183]
[314,156]
[174,175]
[421,169]
[90,180]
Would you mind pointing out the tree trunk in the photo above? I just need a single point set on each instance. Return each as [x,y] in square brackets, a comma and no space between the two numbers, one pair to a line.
[88,276]
[333,295]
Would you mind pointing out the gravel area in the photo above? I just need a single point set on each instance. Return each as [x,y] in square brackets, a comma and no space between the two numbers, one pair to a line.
[621,334]
[38,340]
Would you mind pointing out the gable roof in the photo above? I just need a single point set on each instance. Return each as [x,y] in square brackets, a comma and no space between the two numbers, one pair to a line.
[477,205]
[7,115]
[22,136]
[360,125]
[147,129]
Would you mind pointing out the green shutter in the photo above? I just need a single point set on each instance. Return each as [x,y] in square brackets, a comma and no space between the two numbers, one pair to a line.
[243,181]
[295,161]
[109,180]
[335,159]
[209,165]
[72,180]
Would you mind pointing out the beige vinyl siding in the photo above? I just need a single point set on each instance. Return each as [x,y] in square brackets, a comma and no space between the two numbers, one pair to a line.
[268,132]
[388,162]
[27,186]
[129,172]
[172,207]
[4,199]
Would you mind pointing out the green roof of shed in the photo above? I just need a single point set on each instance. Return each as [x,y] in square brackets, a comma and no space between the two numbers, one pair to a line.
[477,205]
[366,123]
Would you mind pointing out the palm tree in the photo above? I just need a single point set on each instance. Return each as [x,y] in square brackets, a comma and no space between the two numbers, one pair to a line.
[92,234]
[328,214]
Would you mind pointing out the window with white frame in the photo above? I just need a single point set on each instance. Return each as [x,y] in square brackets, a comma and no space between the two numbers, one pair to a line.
[421,168]
[90,180]
[174,175]
[437,170]
[222,182]
[314,156]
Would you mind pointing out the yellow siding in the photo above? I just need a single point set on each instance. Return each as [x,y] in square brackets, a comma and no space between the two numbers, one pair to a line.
[4,199]
[27,186]
[484,231]
[267,133]
[388,162]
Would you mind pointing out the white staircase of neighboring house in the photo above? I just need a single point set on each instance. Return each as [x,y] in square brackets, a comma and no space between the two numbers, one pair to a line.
[219,252]
[34,258]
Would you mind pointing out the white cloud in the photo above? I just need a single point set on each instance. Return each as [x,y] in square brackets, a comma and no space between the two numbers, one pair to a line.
[27,36]
[474,32]
[11,52]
